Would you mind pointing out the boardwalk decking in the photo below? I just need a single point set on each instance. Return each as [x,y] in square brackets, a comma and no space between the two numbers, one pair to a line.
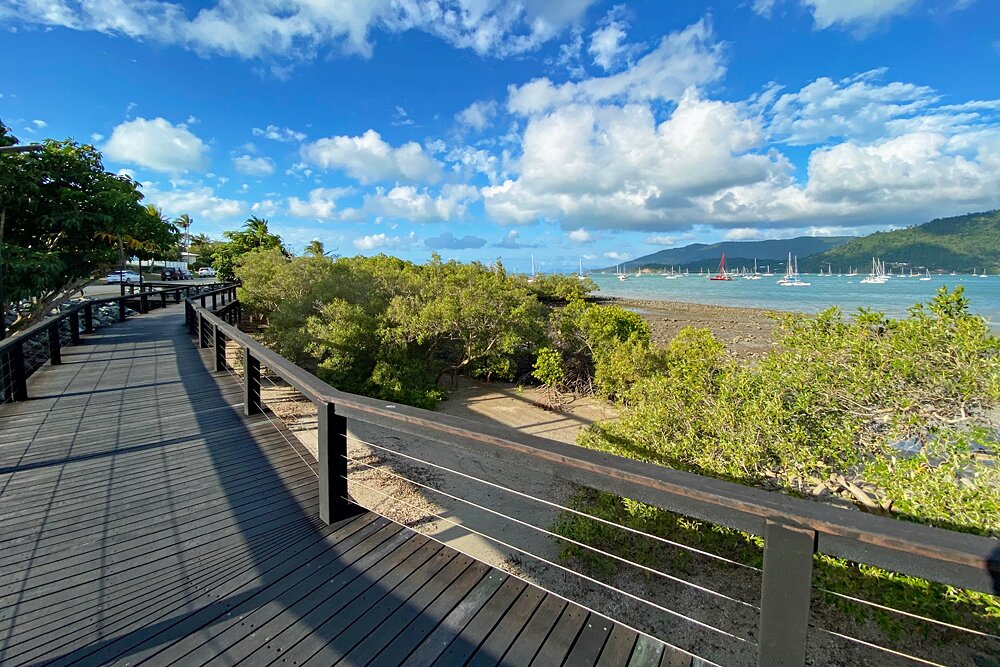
[145,520]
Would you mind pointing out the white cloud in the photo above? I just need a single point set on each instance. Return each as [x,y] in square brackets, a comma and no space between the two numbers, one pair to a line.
[40,124]
[614,254]
[374,241]
[322,203]
[859,16]
[607,44]
[265,207]
[253,166]
[744,234]
[419,205]
[275,133]
[302,29]
[615,166]
[660,240]
[478,115]
[197,200]
[682,59]
[856,107]
[96,137]
[580,235]
[156,144]
[368,158]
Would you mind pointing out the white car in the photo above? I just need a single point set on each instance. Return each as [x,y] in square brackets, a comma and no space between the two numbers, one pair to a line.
[122,277]
[206,272]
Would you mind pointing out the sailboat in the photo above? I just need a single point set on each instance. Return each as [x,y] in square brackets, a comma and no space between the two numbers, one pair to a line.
[927,275]
[721,275]
[531,278]
[878,275]
[754,275]
[791,278]
[580,276]
[621,274]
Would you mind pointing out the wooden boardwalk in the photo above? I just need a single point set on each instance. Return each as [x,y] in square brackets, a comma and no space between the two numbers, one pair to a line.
[145,520]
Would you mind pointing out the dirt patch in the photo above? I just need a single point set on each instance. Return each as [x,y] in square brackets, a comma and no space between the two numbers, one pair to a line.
[748,333]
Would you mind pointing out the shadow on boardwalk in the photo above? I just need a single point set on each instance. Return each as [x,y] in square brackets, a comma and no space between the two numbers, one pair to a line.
[145,519]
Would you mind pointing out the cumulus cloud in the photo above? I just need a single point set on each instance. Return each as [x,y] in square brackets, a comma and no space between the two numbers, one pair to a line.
[448,241]
[157,144]
[512,241]
[253,166]
[303,29]
[690,57]
[856,107]
[580,235]
[608,44]
[478,115]
[368,158]
[282,134]
[321,204]
[195,199]
[375,241]
[419,204]
[859,16]
[40,124]
[612,165]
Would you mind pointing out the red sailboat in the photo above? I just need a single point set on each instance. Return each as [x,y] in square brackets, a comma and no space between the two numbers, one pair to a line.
[721,275]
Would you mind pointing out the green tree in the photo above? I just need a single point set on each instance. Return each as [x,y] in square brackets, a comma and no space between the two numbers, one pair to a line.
[315,249]
[254,235]
[183,223]
[62,212]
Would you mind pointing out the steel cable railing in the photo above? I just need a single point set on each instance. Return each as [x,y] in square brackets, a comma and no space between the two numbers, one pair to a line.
[294,380]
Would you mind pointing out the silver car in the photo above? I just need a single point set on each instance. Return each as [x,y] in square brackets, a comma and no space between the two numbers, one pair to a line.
[126,277]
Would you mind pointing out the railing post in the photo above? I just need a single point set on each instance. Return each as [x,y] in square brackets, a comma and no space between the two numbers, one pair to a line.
[163,299]
[121,310]
[251,383]
[144,302]
[214,304]
[785,593]
[88,318]
[202,300]
[202,331]
[74,327]
[333,503]
[177,296]
[55,345]
[18,376]
[220,348]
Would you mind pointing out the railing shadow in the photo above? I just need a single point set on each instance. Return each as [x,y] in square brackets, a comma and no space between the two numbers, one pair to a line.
[292,564]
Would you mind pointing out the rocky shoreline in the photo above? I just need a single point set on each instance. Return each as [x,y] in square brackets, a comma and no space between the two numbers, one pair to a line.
[747,333]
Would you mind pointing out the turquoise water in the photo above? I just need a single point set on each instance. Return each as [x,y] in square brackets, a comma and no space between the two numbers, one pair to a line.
[892,297]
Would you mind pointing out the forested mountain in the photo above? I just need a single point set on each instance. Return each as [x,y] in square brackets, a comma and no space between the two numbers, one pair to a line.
[961,243]
[708,254]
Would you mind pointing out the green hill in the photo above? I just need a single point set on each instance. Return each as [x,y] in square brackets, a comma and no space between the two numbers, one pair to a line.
[961,243]
[708,254]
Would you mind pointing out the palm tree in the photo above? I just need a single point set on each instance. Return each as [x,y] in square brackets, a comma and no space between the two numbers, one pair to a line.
[315,249]
[184,221]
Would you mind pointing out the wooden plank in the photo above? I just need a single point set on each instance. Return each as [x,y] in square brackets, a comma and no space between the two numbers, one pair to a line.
[524,648]
[559,642]
[646,653]
[618,649]
[427,618]
[508,629]
[487,617]
[328,620]
[393,615]
[246,624]
[590,642]
[454,623]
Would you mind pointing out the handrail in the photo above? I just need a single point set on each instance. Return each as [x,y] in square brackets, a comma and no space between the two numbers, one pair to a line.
[793,528]
[13,381]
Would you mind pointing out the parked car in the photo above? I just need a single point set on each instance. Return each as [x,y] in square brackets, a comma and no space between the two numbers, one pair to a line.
[170,273]
[206,272]
[185,274]
[122,277]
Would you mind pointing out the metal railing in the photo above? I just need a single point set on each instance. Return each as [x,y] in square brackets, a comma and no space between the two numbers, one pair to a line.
[793,529]
[23,352]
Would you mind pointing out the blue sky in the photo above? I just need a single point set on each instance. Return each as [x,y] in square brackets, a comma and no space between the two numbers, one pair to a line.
[562,129]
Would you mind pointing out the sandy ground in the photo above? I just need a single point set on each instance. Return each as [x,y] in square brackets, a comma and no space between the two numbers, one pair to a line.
[408,491]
